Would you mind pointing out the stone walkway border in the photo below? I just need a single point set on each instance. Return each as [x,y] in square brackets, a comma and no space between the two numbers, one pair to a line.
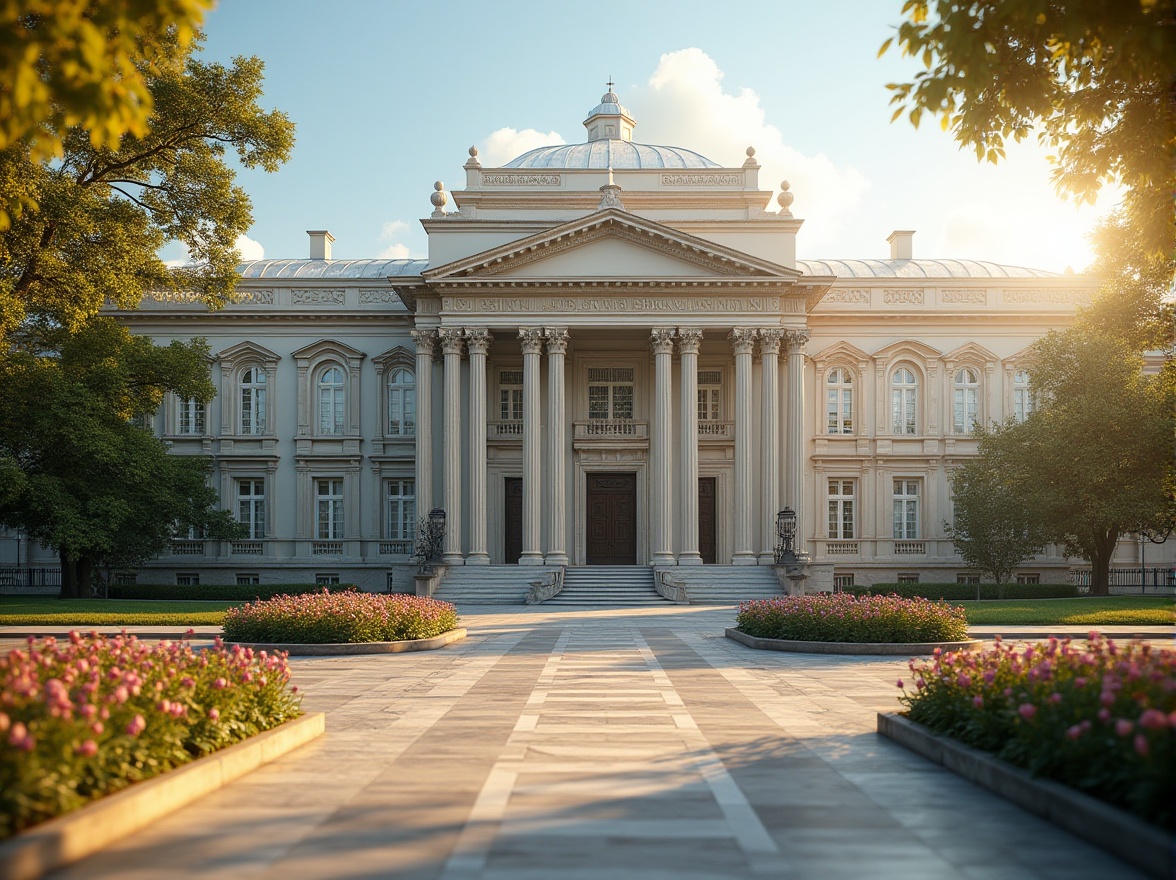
[1117,831]
[336,649]
[905,649]
[87,830]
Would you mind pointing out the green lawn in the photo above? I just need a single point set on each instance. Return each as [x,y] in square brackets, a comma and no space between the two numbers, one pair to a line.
[1097,611]
[45,610]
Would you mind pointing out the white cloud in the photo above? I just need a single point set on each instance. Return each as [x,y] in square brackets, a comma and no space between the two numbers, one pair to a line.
[507,143]
[249,249]
[395,250]
[684,104]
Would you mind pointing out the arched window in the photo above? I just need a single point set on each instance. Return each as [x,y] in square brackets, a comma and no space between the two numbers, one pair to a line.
[1023,401]
[904,388]
[253,401]
[839,401]
[965,400]
[401,402]
[330,401]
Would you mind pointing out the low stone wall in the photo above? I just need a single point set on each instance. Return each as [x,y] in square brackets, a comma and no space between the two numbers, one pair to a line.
[903,649]
[349,648]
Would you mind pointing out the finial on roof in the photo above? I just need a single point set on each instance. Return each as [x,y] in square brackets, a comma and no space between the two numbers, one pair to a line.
[784,200]
[439,198]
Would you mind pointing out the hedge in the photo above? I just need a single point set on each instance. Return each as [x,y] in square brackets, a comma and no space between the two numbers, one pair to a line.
[221,592]
[957,592]
[840,617]
[339,618]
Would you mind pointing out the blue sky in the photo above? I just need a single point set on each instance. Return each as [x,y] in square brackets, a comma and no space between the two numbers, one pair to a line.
[388,97]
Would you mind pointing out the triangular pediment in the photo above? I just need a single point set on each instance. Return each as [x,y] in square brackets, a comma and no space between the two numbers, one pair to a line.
[610,244]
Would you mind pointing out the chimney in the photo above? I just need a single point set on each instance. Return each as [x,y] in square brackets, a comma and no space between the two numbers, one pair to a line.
[320,244]
[901,244]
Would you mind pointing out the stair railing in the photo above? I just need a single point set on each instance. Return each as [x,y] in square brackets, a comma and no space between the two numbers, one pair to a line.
[670,588]
[543,590]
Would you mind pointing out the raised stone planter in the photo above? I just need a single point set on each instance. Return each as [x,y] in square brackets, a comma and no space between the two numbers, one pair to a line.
[347,648]
[87,830]
[905,649]
[1135,841]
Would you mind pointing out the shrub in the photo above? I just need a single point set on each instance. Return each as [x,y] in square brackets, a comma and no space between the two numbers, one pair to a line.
[1099,718]
[963,592]
[86,717]
[841,617]
[339,618]
[219,592]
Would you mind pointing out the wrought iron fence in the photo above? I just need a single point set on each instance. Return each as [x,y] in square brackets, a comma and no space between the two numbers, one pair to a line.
[19,579]
[1142,578]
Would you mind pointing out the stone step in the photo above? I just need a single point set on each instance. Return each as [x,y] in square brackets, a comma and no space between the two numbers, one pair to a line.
[725,584]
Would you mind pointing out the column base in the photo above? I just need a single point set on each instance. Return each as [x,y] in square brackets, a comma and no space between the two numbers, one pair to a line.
[556,559]
[663,559]
[531,559]
[744,558]
[453,559]
[765,559]
[690,559]
[478,559]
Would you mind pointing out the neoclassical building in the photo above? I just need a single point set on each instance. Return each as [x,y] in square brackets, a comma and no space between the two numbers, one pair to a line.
[612,356]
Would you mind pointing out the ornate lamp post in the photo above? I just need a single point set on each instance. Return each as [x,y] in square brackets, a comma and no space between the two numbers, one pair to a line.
[788,564]
[430,538]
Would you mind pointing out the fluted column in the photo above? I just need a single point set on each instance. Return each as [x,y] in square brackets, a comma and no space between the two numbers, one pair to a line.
[478,341]
[661,513]
[426,342]
[532,342]
[557,348]
[689,339]
[769,347]
[742,340]
[794,454]
[451,344]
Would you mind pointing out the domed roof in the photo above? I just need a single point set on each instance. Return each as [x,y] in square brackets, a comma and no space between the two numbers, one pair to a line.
[610,105]
[610,153]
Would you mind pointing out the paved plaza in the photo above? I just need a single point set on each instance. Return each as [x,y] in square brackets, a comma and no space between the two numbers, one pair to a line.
[600,744]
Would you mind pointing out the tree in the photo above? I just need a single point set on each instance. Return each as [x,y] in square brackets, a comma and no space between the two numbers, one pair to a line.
[94,485]
[1095,461]
[993,531]
[67,63]
[103,213]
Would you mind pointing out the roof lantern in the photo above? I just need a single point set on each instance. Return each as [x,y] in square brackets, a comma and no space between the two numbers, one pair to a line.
[608,120]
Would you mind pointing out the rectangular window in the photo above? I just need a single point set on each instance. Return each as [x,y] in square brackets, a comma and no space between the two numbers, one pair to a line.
[841,510]
[842,582]
[510,395]
[1028,578]
[710,398]
[907,578]
[906,510]
[191,418]
[251,508]
[329,504]
[188,579]
[966,403]
[246,579]
[326,580]
[400,514]
[610,394]
[972,579]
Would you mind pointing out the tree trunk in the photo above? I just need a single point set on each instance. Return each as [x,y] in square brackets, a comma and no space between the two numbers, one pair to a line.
[85,578]
[69,578]
[1100,564]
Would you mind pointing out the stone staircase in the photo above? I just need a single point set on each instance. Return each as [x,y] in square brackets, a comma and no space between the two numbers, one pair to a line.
[491,584]
[724,584]
[608,586]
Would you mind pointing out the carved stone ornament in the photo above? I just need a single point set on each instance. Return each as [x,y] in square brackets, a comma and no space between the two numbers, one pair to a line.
[378,296]
[557,339]
[451,340]
[742,340]
[662,340]
[858,297]
[1030,295]
[478,340]
[531,339]
[318,297]
[769,340]
[256,298]
[906,296]
[689,339]
[610,197]
[797,339]
[425,340]
[971,295]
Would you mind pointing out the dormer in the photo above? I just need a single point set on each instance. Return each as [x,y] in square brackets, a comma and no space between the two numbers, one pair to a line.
[608,120]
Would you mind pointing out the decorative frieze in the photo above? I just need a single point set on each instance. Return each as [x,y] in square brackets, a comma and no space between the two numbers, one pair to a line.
[854,296]
[902,296]
[639,304]
[369,297]
[313,296]
[520,179]
[704,179]
[964,296]
[1048,296]
[256,297]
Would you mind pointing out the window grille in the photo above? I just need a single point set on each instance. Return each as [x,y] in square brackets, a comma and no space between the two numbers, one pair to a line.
[610,374]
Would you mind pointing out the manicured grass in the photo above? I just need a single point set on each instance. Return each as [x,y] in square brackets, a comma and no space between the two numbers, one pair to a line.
[47,611]
[1090,611]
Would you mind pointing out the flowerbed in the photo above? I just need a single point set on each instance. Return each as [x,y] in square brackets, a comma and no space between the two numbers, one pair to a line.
[841,617]
[82,718]
[1099,718]
[339,618]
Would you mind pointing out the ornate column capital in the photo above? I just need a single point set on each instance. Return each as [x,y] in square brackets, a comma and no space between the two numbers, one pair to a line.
[557,339]
[425,341]
[451,340]
[662,340]
[689,339]
[797,339]
[478,340]
[531,339]
[742,339]
[769,340]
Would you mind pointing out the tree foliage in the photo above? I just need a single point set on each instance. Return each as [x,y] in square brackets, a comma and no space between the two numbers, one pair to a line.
[1095,462]
[1095,78]
[103,213]
[94,484]
[993,530]
[83,63]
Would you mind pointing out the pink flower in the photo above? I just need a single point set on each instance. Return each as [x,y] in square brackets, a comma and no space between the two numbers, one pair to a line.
[964,680]
[1080,682]
[18,733]
[1054,699]
[899,683]
[1104,715]
[138,723]
[5,722]
[1074,732]
[87,749]
[97,727]
[978,701]
[214,714]
[220,684]
[1027,711]
[1153,719]
[1142,747]
[1123,727]
[121,694]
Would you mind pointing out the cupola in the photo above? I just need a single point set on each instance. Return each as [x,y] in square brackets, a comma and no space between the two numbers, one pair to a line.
[608,120]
